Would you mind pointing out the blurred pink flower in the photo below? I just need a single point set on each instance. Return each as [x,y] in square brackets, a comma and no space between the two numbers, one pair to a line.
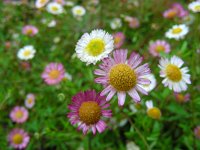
[53,73]
[88,110]
[176,10]
[18,138]
[62,2]
[133,22]
[181,98]
[197,132]
[159,46]
[29,30]
[25,65]
[119,39]
[30,100]
[19,114]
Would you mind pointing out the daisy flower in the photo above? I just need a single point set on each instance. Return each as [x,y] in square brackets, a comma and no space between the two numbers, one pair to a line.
[194,6]
[133,22]
[94,46]
[181,12]
[41,3]
[119,39]
[116,23]
[78,11]
[121,75]
[159,46]
[18,138]
[30,100]
[197,132]
[19,114]
[88,110]
[26,53]
[62,2]
[53,73]
[177,32]
[181,98]
[152,111]
[175,77]
[67,76]
[189,19]
[55,8]
[29,30]
[152,85]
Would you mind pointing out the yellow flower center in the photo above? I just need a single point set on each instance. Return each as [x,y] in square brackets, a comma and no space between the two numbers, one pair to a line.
[180,98]
[54,8]
[43,1]
[89,112]
[160,48]
[117,40]
[173,73]
[198,132]
[79,11]
[197,8]
[29,31]
[27,53]
[17,138]
[30,100]
[19,114]
[176,30]
[54,74]
[154,113]
[95,47]
[172,14]
[122,77]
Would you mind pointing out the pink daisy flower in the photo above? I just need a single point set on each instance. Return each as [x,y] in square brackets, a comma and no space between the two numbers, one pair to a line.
[29,30]
[18,138]
[159,46]
[30,100]
[197,132]
[62,2]
[88,110]
[53,73]
[19,114]
[181,98]
[133,22]
[119,39]
[121,75]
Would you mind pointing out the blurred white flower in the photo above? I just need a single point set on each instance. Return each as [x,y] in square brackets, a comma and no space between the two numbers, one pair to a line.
[67,76]
[177,32]
[194,6]
[69,3]
[51,24]
[55,8]
[115,23]
[131,146]
[189,19]
[26,53]
[78,11]
[56,40]
[41,3]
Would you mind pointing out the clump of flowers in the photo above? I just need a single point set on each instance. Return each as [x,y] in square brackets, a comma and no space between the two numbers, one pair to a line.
[155,48]
[152,111]
[176,10]
[119,39]
[94,46]
[181,98]
[194,6]
[175,77]
[177,32]
[18,138]
[78,11]
[55,8]
[53,73]
[30,100]
[29,30]
[19,114]
[121,75]
[26,53]
[88,110]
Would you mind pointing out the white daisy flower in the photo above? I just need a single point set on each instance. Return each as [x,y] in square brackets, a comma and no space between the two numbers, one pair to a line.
[151,86]
[67,76]
[177,32]
[153,112]
[115,23]
[55,8]
[41,3]
[194,6]
[52,23]
[189,19]
[78,11]
[30,100]
[94,46]
[175,77]
[26,53]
